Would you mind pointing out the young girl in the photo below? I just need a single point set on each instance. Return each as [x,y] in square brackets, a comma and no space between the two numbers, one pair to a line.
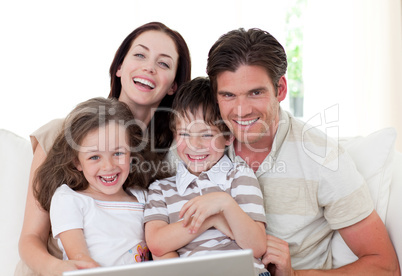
[96,205]
[143,54]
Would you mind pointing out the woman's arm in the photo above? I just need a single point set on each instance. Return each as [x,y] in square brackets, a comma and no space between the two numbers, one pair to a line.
[247,232]
[35,232]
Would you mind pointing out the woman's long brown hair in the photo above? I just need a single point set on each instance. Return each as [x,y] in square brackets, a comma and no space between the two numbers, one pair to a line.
[159,131]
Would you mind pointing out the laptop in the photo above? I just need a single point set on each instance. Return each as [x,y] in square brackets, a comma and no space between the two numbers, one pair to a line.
[234,263]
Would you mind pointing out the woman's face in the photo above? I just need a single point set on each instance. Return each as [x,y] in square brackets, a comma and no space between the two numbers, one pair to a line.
[148,70]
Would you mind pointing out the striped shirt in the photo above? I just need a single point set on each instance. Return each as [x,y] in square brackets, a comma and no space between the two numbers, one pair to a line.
[311,187]
[166,197]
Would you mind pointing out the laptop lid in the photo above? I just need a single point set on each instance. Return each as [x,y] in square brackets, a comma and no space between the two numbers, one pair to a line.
[234,263]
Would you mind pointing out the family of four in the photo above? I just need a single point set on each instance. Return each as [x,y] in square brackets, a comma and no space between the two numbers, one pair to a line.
[100,193]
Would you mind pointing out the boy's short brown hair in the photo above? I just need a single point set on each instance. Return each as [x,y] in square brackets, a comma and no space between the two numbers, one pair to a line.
[197,95]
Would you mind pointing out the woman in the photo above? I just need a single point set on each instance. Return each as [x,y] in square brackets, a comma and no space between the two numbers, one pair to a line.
[149,66]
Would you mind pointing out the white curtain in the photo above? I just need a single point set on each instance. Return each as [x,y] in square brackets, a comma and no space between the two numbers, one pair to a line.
[353,65]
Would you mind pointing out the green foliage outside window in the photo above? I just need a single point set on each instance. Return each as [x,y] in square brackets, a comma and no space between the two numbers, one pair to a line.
[294,51]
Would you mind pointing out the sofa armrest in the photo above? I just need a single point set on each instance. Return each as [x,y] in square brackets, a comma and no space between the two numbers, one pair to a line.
[393,220]
[374,159]
[15,163]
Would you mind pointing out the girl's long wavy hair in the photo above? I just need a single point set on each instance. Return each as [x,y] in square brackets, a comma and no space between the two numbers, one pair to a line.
[59,166]
[160,133]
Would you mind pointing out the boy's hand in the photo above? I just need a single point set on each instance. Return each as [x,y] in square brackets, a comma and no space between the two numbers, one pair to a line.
[202,207]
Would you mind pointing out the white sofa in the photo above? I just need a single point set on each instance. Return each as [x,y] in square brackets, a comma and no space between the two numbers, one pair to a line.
[374,156]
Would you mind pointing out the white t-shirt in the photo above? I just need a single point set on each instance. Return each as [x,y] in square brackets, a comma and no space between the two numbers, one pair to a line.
[114,231]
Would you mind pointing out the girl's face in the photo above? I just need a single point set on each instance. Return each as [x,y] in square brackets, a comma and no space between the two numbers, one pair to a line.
[104,159]
[148,71]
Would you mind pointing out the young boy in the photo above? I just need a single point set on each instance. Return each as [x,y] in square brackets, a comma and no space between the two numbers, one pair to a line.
[211,204]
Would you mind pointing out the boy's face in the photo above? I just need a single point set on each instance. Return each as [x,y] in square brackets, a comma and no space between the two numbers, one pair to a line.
[199,145]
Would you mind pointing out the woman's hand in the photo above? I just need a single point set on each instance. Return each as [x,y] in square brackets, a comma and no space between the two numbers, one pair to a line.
[59,266]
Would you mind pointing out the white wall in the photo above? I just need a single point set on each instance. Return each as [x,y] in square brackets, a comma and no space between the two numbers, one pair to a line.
[353,62]
[55,54]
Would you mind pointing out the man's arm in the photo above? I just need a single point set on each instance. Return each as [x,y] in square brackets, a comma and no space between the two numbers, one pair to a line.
[369,241]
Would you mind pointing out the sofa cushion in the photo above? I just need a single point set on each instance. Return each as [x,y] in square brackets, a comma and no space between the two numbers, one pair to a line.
[373,156]
[393,221]
[15,163]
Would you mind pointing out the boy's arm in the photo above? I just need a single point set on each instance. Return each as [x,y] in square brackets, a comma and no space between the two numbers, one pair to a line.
[169,255]
[75,246]
[247,232]
[163,238]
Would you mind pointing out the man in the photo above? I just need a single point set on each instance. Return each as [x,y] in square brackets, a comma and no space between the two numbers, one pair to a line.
[306,197]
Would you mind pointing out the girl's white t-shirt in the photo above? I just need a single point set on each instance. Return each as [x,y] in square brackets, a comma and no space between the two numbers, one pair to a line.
[114,231]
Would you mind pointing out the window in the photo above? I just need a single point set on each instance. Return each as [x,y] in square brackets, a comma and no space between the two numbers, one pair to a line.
[294,51]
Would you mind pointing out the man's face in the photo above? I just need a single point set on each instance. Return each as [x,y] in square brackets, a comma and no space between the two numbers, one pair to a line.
[248,104]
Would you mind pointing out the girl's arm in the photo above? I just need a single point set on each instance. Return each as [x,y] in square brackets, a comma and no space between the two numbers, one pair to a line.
[75,246]
[35,233]
[247,232]
[163,238]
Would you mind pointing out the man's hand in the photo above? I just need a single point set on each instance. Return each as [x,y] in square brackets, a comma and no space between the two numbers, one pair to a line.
[277,257]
